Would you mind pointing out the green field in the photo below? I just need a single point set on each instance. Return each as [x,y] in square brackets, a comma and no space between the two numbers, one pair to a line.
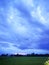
[23,60]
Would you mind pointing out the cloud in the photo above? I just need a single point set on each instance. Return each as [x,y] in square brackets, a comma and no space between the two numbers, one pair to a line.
[22,27]
[15,50]
[44,40]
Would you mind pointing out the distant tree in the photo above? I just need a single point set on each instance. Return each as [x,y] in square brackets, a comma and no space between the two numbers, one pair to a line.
[4,55]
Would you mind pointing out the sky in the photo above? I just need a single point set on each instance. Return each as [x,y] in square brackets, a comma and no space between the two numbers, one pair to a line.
[24,26]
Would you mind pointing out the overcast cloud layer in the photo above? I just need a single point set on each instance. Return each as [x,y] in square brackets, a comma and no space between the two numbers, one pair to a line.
[24,26]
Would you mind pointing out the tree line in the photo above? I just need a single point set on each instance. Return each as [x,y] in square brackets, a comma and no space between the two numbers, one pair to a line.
[25,55]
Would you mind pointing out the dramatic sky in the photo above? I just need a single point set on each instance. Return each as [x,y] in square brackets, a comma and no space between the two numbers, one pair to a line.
[24,26]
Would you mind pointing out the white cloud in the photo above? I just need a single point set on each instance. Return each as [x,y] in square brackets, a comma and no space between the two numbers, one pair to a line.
[15,50]
[39,13]
[40,16]
[28,3]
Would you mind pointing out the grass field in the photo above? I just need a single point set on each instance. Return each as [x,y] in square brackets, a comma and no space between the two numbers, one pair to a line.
[23,60]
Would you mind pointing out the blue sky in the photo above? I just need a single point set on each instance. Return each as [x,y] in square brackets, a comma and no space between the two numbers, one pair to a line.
[24,26]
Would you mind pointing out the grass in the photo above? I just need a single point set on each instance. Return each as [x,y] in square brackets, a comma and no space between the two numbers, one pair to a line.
[23,60]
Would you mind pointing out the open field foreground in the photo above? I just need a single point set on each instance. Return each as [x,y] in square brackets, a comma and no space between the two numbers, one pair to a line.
[23,60]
